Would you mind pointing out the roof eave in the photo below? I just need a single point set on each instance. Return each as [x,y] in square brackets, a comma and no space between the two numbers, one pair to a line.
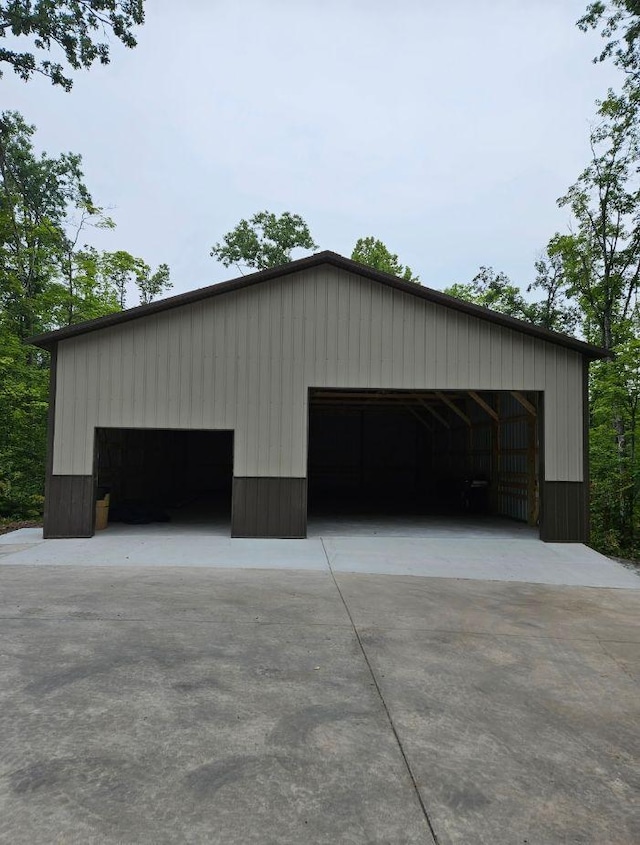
[48,340]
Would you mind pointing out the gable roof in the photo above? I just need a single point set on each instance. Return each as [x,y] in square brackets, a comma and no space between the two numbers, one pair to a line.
[49,339]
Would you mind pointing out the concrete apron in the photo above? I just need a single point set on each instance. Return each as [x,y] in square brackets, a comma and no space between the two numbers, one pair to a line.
[473,556]
[243,707]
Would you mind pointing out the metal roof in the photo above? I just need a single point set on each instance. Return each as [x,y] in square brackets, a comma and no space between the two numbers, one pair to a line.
[50,339]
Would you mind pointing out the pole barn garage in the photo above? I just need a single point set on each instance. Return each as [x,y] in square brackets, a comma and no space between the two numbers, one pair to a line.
[322,382]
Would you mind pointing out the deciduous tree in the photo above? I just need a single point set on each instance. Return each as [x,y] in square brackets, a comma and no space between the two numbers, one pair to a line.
[265,240]
[374,253]
[72,28]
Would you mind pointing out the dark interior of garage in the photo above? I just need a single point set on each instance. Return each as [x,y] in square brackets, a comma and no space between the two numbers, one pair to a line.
[165,475]
[426,452]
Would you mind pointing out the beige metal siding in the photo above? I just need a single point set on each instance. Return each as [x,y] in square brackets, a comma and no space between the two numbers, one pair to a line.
[245,361]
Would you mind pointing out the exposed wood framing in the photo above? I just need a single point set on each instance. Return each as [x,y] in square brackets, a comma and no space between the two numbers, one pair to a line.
[484,405]
[495,459]
[450,404]
[420,418]
[532,481]
[434,413]
[524,402]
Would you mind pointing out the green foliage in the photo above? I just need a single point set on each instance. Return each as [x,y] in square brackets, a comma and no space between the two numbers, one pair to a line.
[601,258]
[374,253]
[620,25]
[492,290]
[36,193]
[150,285]
[556,311]
[69,27]
[614,459]
[47,279]
[23,425]
[496,291]
[264,240]
[117,271]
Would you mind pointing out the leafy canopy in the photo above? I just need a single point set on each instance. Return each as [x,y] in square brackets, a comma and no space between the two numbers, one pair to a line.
[601,257]
[70,28]
[620,25]
[496,291]
[264,240]
[374,253]
[48,278]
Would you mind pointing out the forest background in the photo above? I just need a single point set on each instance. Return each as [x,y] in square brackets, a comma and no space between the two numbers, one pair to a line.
[586,279]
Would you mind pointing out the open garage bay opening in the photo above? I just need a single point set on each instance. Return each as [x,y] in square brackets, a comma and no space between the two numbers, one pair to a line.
[400,461]
[166,475]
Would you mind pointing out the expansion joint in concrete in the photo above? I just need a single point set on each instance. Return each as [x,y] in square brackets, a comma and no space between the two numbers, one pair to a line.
[385,707]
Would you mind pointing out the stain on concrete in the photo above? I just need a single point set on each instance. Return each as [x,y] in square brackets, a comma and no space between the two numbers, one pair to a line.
[196,684]
[76,776]
[36,776]
[208,779]
[463,798]
[57,680]
[295,729]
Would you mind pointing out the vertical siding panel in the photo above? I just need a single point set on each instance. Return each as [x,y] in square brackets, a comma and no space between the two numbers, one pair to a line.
[93,378]
[528,363]
[386,350]
[245,361]
[506,359]
[576,469]
[174,368]
[59,442]
[440,359]
[453,352]
[485,381]
[343,370]
[418,343]
[408,342]
[298,453]
[397,340]
[297,381]
[195,376]
[137,376]
[286,386]
[462,351]
[518,361]
[161,355]
[353,331]
[184,331]
[472,353]
[430,344]
[209,337]
[220,345]
[565,444]
[128,372]
[151,373]
[375,337]
[80,409]
[495,340]
[332,333]
[276,357]
[238,328]
[365,332]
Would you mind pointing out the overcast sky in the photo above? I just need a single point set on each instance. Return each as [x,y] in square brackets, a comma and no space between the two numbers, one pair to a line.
[445,129]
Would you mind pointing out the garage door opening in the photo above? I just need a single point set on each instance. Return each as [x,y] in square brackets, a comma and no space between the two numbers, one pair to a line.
[452,459]
[173,476]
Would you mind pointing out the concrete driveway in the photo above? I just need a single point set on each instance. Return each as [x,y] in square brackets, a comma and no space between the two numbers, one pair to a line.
[211,705]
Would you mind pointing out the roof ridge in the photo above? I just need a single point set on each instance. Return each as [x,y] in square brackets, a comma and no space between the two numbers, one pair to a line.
[47,340]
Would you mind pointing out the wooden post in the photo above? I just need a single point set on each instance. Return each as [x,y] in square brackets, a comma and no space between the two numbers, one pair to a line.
[532,481]
[495,458]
